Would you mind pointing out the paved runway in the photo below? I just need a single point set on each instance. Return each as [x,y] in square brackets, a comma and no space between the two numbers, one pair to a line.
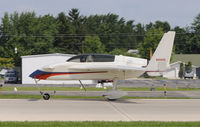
[100,110]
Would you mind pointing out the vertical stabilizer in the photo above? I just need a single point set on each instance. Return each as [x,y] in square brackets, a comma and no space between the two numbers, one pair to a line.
[161,57]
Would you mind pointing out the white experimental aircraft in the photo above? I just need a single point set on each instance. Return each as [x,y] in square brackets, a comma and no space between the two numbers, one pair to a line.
[103,67]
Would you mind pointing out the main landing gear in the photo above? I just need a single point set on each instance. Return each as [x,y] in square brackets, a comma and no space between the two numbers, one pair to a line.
[114,93]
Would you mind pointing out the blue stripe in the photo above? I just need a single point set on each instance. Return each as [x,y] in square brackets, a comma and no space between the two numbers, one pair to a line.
[38,72]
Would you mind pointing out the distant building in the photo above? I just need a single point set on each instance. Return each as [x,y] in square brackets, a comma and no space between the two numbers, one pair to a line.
[133,51]
[173,72]
[198,72]
[185,58]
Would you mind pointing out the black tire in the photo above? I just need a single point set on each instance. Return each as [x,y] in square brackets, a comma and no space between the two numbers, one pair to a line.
[112,99]
[46,96]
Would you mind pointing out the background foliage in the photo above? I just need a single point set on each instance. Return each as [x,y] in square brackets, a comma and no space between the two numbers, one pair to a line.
[6,63]
[74,33]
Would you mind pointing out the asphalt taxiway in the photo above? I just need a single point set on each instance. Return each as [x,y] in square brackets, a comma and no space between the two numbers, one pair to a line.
[100,110]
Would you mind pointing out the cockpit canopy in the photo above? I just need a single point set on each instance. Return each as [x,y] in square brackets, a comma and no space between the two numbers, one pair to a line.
[92,58]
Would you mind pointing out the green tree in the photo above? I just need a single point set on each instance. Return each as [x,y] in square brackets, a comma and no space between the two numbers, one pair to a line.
[92,44]
[188,66]
[46,29]
[181,71]
[164,25]
[149,26]
[29,33]
[193,44]
[196,24]
[109,31]
[140,32]
[181,39]
[69,33]
[64,41]
[158,24]
[6,63]
[128,40]
[114,32]
[151,40]
[79,28]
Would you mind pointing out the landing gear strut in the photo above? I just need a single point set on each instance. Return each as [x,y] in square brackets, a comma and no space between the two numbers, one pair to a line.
[82,85]
[114,93]
[46,96]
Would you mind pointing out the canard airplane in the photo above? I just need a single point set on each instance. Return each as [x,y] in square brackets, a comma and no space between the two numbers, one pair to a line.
[103,67]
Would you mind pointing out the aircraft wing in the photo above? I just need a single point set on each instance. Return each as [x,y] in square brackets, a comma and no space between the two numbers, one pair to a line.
[106,67]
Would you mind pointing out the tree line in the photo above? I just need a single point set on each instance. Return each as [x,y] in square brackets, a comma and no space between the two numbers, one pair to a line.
[74,33]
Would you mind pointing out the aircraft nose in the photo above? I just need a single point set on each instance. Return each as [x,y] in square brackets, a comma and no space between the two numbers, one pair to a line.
[37,74]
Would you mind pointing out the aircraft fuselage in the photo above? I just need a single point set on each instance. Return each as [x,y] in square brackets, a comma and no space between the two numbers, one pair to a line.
[73,70]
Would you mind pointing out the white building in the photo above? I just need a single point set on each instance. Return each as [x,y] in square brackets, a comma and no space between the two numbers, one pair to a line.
[34,62]
[173,72]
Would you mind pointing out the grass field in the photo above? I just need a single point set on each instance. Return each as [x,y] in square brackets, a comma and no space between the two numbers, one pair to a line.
[93,89]
[99,124]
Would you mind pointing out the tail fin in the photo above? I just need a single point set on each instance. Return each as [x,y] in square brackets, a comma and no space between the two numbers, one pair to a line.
[161,57]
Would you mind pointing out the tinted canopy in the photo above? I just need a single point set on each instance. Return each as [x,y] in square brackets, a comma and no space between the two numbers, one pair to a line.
[92,58]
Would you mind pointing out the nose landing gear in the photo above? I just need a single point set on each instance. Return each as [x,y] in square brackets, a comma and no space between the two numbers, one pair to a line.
[46,96]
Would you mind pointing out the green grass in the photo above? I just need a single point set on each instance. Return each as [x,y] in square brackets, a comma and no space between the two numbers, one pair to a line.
[93,89]
[52,89]
[99,124]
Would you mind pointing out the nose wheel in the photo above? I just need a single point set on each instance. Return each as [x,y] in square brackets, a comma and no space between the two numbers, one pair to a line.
[46,96]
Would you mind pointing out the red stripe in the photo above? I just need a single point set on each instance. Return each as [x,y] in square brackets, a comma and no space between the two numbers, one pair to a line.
[154,71]
[46,75]
[161,59]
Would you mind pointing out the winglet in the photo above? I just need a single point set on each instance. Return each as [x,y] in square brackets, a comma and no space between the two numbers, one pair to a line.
[161,57]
